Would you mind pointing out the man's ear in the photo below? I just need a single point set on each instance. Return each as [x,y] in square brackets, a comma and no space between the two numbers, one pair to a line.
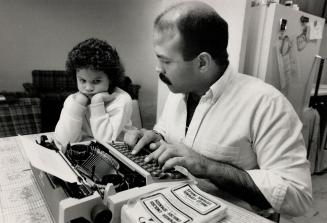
[204,61]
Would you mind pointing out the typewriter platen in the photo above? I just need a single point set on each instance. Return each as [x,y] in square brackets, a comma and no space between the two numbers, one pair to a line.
[109,176]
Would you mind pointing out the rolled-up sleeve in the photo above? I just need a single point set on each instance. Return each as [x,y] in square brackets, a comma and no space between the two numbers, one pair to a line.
[69,126]
[283,176]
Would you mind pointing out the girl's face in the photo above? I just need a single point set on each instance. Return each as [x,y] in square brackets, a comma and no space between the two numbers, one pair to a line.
[91,82]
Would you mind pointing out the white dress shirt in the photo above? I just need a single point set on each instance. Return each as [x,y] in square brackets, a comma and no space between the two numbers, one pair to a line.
[246,122]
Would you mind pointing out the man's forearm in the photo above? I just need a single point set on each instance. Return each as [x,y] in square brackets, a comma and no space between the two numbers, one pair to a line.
[237,182]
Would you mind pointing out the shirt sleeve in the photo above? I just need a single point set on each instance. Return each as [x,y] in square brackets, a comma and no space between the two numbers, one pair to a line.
[108,120]
[283,175]
[69,126]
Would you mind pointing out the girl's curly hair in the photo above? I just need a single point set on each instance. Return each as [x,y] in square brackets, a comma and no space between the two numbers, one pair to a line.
[96,55]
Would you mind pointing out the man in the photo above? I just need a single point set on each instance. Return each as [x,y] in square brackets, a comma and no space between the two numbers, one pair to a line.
[233,132]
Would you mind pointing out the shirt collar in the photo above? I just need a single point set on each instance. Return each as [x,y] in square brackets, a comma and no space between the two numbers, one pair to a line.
[218,87]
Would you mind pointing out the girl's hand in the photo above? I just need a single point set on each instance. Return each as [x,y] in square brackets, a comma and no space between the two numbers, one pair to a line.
[102,97]
[81,99]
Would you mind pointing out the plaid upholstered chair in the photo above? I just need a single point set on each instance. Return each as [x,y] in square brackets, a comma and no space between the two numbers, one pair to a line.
[52,87]
[19,115]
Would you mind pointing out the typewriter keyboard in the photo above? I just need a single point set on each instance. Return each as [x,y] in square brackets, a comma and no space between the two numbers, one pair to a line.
[151,167]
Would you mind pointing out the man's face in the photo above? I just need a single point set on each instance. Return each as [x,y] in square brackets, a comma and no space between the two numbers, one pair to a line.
[91,82]
[179,75]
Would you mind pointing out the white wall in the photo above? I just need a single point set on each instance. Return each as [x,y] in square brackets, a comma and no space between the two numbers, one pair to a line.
[234,12]
[37,34]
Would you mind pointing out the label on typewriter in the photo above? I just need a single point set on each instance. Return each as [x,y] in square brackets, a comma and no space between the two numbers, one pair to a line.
[160,207]
[175,204]
[194,200]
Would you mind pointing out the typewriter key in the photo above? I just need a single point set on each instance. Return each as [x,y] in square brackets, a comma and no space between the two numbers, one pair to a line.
[156,173]
[177,175]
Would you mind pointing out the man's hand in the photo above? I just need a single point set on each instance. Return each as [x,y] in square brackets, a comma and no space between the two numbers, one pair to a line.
[81,98]
[230,178]
[140,138]
[170,155]
[102,97]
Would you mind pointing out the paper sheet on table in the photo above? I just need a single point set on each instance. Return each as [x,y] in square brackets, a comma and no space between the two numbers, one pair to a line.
[48,160]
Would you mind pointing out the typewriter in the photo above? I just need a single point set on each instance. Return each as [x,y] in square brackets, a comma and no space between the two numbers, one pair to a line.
[109,175]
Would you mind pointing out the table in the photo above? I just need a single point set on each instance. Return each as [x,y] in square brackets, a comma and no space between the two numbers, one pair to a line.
[22,202]
[20,199]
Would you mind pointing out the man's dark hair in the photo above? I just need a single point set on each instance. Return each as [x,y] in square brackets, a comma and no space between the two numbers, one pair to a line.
[96,55]
[200,27]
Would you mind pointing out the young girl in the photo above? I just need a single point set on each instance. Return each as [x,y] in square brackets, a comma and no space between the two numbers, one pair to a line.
[99,109]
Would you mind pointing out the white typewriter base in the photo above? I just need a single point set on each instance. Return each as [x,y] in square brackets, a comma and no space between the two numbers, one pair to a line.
[62,208]
[72,208]
[116,201]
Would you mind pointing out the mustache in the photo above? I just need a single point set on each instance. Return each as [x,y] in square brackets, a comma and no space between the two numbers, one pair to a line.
[164,79]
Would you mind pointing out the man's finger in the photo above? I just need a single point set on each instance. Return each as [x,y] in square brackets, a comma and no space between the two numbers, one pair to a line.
[155,154]
[145,140]
[131,137]
[156,145]
[172,162]
[166,155]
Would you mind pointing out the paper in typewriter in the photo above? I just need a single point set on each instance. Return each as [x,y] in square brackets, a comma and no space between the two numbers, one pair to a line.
[20,199]
[48,160]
